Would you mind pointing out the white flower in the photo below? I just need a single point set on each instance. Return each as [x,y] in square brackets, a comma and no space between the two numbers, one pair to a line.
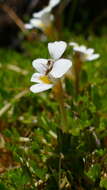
[43,22]
[43,18]
[86,54]
[49,70]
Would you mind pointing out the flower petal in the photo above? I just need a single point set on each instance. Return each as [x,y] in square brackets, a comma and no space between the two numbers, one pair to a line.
[81,49]
[92,57]
[90,50]
[36,77]
[42,12]
[40,87]
[60,67]
[36,23]
[40,65]
[56,49]
[28,26]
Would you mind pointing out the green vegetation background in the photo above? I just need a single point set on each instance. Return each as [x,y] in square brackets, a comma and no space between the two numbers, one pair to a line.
[37,116]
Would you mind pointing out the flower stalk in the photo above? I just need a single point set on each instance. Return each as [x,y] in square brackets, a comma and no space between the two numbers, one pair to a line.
[77,66]
[59,95]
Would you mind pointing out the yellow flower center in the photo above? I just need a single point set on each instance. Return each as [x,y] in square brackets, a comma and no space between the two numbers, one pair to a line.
[45,79]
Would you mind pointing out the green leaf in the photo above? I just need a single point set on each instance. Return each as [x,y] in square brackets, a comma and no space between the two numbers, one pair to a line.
[94,172]
[2,187]
[96,96]
[103,182]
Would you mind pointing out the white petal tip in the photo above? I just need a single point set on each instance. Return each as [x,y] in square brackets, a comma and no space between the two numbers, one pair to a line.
[40,87]
[56,49]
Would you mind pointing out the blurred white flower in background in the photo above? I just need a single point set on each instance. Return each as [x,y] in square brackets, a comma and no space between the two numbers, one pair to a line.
[86,54]
[49,70]
[43,19]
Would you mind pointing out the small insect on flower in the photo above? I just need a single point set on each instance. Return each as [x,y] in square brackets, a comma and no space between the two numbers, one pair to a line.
[50,70]
[43,19]
[86,54]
